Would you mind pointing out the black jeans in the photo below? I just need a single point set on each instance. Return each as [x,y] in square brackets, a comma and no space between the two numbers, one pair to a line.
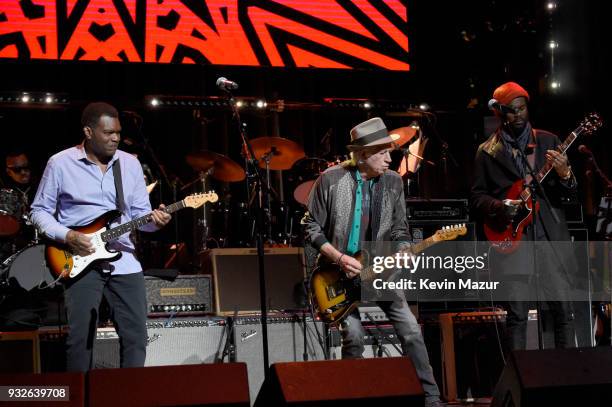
[126,296]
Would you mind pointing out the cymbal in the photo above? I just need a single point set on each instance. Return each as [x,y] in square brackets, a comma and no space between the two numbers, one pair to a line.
[284,152]
[406,134]
[221,167]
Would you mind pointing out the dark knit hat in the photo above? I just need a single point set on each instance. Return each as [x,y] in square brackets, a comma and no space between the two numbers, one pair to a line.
[509,91]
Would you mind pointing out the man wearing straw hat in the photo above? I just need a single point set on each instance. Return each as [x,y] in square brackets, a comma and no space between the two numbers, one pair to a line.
[357,201]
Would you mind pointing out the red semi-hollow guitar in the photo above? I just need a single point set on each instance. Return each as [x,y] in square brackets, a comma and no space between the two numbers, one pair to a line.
[507,240]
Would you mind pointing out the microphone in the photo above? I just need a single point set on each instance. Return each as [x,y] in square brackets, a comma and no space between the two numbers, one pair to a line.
[585,150]
[503,109]
[225,84]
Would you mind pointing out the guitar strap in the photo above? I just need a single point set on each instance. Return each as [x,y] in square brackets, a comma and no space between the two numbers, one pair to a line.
[118,186]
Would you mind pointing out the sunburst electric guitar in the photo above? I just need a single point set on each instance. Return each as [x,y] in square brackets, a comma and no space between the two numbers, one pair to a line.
[335,296]
[66,265]
[507,240]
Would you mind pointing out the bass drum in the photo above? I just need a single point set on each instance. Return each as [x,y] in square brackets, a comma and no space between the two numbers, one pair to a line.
[28,268]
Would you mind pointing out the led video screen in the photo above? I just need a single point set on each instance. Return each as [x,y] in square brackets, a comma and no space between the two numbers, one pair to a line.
[341,34]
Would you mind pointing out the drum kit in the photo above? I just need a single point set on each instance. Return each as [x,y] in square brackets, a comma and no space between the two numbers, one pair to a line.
[231,224]
[23,258]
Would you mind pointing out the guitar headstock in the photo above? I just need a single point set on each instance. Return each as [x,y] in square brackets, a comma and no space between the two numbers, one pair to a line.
[451,232]
[196,200]
[591,123]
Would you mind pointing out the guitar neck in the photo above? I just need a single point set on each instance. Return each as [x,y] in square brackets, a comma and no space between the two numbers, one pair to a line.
[423,245]
[134,224]
[545,170]
[368,274]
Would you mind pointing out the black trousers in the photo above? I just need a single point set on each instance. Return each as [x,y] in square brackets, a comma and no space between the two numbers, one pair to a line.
[126,296]
[553,289]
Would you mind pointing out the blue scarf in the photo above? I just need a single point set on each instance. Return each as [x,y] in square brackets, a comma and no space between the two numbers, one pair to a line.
[521,142]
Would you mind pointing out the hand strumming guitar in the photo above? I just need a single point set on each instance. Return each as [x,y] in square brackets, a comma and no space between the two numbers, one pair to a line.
[79,243]
[350,265]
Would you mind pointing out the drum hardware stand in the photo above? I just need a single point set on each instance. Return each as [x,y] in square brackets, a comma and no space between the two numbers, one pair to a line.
[311,311]
[253,171]
[229,347]
[382,335]
[203,221]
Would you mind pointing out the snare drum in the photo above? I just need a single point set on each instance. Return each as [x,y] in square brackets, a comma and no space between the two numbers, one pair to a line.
[11,210]
[29,268]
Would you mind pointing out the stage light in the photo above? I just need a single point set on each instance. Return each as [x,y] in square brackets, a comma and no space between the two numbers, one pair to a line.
[367,105]
[551,5]
[239,103]
[49,98]
[154,102]
[261,104]
[424,107]
[553,44]
[555,85]
[25,98]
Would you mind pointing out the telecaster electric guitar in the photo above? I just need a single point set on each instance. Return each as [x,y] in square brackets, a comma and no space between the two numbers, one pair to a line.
[507,240]
[66,265]
[335,295]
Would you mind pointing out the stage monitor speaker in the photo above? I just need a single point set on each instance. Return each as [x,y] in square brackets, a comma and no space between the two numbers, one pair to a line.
[375,382]
[19,352]
[285,343]
[63,389]
[236,279]
[188,385]
[556,377]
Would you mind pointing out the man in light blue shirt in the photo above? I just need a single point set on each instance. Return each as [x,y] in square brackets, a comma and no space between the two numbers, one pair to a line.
[77,187]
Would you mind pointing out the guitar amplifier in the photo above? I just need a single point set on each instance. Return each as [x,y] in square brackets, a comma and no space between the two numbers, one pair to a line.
[185,295]
[437,210]
[170,341]
[285,343]
[19,352]
[236,276]
[470,359]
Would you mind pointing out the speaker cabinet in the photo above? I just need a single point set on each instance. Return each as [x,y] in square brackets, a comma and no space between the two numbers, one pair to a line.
[217,384]
[236,279]
[19,352]
[377,382]
[556,377]
[285,343]
[67,389]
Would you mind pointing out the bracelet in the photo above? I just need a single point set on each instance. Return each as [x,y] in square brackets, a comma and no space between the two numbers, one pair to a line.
[569,173]
[340,258]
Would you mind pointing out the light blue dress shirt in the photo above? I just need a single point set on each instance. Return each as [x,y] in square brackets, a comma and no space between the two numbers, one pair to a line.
[73,191]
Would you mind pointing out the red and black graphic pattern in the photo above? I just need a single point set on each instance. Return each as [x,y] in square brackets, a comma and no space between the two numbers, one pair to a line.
[341,34]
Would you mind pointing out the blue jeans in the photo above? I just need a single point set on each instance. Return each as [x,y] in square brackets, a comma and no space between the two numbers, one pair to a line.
[409,335]
[127,299]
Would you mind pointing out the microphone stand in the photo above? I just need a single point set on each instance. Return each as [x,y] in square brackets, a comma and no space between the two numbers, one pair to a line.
[254,172]
[536,187]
